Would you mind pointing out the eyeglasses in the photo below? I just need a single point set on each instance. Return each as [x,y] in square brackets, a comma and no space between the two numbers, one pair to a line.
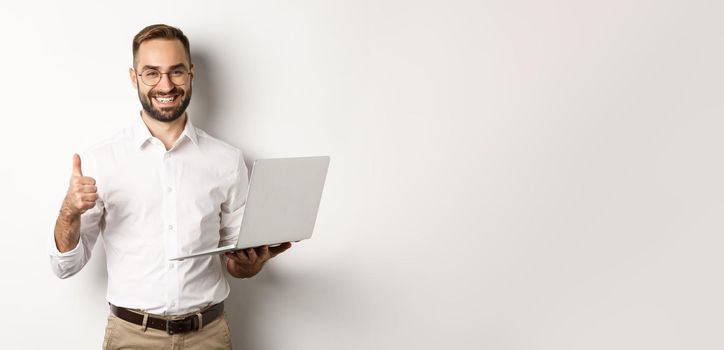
[152,77]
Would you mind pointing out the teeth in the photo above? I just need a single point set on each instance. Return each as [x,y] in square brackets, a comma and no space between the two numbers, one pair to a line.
[165,99]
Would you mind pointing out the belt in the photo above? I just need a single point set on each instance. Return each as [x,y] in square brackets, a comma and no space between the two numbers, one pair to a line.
[171,326]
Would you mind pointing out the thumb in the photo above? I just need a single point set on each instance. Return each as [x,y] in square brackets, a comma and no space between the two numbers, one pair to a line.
[76,165]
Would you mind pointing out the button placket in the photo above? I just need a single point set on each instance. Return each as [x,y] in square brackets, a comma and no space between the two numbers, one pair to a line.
[171,229]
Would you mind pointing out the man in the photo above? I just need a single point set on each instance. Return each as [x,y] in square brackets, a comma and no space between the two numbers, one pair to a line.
[157,189]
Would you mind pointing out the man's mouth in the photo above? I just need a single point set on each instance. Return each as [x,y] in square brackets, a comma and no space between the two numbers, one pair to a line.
[166,100]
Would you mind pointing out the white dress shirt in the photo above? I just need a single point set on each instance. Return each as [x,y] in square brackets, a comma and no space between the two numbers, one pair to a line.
[155,204]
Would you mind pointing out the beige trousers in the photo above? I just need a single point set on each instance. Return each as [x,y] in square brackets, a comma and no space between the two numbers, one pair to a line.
[121,334]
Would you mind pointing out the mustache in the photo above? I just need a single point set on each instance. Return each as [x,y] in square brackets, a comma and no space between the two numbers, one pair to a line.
[175,91]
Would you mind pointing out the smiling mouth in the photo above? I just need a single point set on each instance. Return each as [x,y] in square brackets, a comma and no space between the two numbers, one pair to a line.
[166,100]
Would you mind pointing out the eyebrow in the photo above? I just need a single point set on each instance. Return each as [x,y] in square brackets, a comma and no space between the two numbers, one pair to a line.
[177,65]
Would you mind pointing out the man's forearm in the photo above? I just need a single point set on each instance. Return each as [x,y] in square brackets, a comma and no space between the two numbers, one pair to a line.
[67,230]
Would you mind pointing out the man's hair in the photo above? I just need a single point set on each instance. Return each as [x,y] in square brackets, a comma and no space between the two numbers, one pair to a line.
[160,31]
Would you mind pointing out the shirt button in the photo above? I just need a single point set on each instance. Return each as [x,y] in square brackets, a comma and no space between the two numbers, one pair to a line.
[169,189]
[170,227]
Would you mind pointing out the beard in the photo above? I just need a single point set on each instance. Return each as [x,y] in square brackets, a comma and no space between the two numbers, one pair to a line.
[165,114]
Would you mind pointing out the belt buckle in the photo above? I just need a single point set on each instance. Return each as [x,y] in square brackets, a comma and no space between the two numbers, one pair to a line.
[171,330]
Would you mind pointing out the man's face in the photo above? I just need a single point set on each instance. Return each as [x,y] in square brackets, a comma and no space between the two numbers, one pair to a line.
[165,101]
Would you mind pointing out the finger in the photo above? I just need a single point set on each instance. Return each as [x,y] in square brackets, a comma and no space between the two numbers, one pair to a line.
[82,180]
[86,180]
[76,165]
[264,253]
[241,254]
[280,249]
[83,206]
[252,255]
[233,256]
[87,197]
[88,189]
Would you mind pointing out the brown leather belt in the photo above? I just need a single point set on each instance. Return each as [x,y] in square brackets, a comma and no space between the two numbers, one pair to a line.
[171,326]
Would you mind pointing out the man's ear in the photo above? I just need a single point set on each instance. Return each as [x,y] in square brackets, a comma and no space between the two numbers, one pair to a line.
[134,77]
[193,71]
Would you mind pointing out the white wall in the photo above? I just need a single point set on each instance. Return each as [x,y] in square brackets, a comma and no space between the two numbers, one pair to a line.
[505,174]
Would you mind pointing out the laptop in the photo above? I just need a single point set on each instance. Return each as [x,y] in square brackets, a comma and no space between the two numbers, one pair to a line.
[281,204]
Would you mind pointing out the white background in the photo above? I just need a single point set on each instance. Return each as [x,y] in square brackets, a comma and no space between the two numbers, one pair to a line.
[505,174]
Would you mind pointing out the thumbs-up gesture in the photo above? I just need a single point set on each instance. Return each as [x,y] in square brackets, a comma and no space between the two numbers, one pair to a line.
[82,192]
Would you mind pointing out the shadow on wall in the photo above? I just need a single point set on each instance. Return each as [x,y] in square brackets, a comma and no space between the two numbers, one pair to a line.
[245,307]
[202,109]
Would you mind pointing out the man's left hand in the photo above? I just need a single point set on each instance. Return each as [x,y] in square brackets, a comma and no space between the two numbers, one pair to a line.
[245,263]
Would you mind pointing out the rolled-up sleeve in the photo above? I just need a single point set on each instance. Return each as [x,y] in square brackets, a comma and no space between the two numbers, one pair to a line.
[232,209]
[69,263]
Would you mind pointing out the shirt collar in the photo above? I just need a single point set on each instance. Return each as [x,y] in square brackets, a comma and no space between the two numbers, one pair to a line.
[142,134]
[190,131]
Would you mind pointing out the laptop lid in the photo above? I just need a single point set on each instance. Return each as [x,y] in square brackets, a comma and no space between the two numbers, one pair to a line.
[282,202]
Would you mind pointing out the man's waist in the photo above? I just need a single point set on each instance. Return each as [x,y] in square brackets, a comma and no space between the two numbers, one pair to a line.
[163,309]
[156,294]
[171,324]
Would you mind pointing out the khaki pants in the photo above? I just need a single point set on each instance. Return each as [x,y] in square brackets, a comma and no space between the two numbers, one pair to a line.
[122,334]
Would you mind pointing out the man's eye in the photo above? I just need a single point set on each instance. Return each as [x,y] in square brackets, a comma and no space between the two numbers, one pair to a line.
[178,73]
[150,74]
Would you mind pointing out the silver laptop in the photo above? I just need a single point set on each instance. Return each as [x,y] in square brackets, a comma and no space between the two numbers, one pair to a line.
[281,203]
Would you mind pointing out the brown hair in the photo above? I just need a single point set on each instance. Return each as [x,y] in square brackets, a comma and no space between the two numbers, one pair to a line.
[160,31]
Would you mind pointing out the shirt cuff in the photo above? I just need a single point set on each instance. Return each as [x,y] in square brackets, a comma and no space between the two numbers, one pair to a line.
[54,249]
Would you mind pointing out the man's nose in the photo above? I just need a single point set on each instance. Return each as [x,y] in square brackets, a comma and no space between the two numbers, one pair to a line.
[165,83]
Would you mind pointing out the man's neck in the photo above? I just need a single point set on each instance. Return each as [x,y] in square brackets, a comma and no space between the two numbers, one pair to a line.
[167,132]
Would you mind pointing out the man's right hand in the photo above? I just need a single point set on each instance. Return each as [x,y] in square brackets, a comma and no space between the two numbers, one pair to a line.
[82,192]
